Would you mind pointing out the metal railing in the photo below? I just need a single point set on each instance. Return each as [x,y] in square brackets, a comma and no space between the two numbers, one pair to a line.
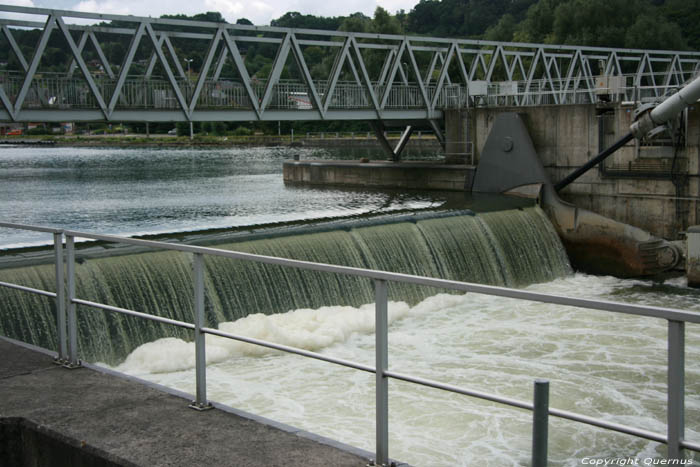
[676,319]
[60,92]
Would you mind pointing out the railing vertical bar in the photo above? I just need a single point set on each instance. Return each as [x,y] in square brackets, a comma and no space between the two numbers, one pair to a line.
[540,423]
[382,364]
[72,319]
[60,297]
[200,402]
[676,388]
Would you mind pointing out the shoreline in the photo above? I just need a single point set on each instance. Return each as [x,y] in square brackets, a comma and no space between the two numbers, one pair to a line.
[137,140]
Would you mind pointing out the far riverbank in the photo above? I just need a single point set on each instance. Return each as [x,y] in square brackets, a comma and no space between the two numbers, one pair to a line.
[159,140]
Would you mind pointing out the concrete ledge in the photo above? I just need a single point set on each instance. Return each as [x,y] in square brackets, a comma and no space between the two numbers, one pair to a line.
[410,175]
[54,416]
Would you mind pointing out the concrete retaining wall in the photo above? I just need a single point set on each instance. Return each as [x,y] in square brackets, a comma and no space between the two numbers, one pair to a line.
[413,175]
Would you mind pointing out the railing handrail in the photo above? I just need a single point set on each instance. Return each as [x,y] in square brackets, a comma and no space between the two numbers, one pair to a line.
[34,228]
[676,341]
[617,307]
[527,92]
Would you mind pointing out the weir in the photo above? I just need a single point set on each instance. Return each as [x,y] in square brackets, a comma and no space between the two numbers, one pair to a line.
[511,248]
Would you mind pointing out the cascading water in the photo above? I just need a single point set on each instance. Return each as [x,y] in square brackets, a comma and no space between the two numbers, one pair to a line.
[513,248]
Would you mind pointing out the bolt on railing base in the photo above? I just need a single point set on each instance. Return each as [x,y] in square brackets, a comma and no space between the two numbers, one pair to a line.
[200,407]
[371,463]
[66,363]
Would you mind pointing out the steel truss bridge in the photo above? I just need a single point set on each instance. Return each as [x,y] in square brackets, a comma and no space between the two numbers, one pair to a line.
[373,77]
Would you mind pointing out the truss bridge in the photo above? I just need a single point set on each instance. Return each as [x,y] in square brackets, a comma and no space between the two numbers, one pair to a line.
[127,68]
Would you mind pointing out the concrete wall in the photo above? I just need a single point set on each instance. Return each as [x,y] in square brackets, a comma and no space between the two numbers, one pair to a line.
[633,186]
[412,175]
[24,443]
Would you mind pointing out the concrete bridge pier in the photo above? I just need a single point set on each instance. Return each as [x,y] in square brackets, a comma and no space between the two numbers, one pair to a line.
[457,137]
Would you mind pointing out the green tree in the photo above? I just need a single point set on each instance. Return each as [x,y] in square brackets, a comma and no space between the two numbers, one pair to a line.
[356,22]
[384,23]
[538,23]
[686,14]
[652,32]
[503,31]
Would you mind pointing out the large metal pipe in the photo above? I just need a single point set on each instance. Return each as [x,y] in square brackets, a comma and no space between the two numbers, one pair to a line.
[659,115]
[595,244]
[667,110]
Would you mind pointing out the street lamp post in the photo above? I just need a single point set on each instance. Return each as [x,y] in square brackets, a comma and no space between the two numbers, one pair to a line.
[188,61]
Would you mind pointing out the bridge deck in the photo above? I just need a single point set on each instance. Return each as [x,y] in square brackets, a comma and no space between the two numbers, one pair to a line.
[86,415]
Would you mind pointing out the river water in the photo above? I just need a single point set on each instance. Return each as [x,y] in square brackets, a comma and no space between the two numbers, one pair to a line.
[599,364]
[137,191]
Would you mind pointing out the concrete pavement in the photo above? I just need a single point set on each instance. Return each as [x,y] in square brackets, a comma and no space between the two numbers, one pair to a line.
[50,415]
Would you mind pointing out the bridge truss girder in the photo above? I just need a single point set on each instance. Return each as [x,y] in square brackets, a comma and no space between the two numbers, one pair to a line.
[373,76]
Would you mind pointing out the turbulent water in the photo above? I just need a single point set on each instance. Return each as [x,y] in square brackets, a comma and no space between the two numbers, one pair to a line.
[600,364]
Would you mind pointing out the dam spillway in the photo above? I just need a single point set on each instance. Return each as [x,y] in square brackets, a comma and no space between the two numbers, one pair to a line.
[513,248]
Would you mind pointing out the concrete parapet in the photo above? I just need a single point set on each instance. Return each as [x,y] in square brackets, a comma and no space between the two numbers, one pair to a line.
[693,259]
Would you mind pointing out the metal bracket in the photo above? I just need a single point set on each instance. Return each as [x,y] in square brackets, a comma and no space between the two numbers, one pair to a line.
[65,363]
[200,407]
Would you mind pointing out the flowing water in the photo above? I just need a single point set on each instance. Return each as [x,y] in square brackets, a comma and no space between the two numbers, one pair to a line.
[599,364]
[475,248]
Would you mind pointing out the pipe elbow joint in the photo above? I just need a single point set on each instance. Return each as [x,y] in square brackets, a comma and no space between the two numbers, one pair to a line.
[644,125]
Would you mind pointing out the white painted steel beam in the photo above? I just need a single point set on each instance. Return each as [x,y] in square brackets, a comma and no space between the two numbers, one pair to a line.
[540,73]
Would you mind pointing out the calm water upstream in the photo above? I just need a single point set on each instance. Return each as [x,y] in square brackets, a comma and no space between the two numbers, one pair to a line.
[137,191]
[599,364]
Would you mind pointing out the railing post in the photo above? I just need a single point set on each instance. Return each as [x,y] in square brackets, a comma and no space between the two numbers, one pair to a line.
[382,364]
[60,298]
[540,423]
[676,388]
[200,402]
[73,361]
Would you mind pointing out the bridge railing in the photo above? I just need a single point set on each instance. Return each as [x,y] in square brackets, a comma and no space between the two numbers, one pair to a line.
[59,91]
[623,88]
[68,337]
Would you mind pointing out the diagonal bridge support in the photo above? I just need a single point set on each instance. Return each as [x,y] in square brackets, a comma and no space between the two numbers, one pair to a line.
[374,77]
[394,153]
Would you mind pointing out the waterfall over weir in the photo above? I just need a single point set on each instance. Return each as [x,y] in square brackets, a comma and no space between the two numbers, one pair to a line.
[512,248]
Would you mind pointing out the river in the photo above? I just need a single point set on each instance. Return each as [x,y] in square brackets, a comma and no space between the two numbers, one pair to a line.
[138,191]
[599,364]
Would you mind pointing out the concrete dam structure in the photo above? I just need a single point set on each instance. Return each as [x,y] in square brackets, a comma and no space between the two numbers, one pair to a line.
[508,163]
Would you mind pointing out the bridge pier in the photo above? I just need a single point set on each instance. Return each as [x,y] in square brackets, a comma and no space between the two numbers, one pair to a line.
[457,137]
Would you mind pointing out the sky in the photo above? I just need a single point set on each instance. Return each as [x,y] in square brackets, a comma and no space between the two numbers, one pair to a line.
[260,12]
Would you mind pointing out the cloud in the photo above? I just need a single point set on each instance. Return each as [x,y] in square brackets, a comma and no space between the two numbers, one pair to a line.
[260,12]
[95,6]
[19,16]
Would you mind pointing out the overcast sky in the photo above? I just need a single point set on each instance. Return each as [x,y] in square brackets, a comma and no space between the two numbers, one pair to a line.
[260,12]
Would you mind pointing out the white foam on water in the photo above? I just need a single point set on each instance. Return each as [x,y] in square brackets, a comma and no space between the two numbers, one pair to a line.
[305,329]
[604,365]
